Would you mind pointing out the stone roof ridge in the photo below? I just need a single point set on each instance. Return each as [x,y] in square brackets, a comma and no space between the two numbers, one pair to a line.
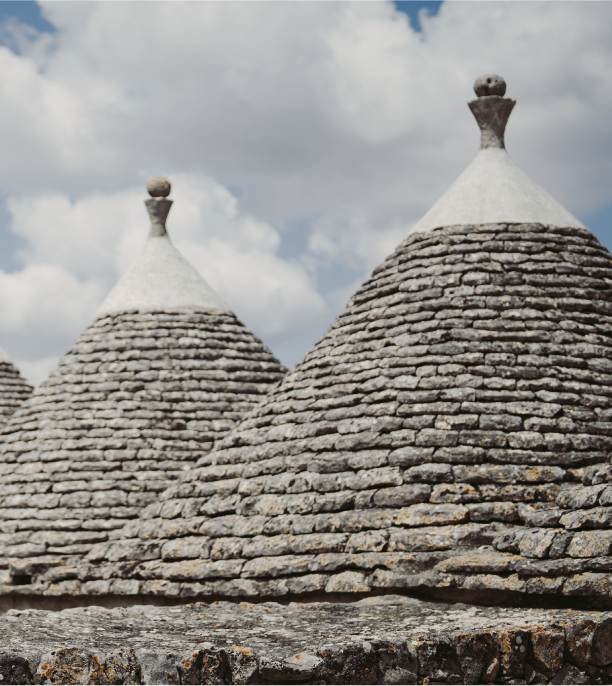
[493,189]
[160,278]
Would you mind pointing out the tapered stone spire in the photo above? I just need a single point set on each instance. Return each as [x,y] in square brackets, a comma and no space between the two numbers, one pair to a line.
[491,110]
[161,278]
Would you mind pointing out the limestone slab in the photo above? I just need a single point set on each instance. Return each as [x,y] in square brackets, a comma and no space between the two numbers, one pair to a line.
[392,639]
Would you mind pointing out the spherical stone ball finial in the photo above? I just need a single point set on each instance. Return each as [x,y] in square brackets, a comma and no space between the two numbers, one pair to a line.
[489,84]
[159,187]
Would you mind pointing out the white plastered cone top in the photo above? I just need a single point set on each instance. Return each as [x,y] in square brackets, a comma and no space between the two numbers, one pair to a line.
[161,279]
[493,189]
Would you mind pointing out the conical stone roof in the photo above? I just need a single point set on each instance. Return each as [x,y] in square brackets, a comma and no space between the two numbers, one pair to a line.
[165,369]
[464,386]
[14,389]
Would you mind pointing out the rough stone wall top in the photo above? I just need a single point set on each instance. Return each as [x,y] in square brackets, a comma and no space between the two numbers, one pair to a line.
[135,402]
[14,389]
[379,640]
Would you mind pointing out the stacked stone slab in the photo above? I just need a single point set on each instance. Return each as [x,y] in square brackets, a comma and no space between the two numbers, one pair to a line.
[562,551]
[165,369]
[14,389]
[466,385]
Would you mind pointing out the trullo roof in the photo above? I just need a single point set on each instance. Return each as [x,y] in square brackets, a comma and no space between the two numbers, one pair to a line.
[165,369]
[14,389]
[463,388]
[465,385]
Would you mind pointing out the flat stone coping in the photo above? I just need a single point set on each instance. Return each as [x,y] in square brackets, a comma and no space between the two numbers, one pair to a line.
[378,640]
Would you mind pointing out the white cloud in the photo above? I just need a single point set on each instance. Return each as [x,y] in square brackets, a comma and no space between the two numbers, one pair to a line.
[42,309]
[336,117]
[238,255]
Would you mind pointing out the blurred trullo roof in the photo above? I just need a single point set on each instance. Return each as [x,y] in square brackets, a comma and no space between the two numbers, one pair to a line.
[165,369]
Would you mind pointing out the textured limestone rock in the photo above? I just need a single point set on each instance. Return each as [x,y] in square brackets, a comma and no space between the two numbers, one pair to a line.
[381,640]
[14,389]
[137,400]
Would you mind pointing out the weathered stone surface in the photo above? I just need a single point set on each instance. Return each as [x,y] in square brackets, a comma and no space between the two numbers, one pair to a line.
[536,543]
[601,649]
[480,563]
[590,544]
[579,641]
[391,639]
[595,518]
[548,646]
[570,674]
[577,498]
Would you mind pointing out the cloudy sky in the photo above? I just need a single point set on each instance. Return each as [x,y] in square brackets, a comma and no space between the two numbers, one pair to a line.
[302,140]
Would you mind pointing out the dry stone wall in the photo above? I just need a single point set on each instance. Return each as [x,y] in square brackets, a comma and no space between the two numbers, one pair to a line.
[134,403]
[467,384]
[383,640]
[14,389]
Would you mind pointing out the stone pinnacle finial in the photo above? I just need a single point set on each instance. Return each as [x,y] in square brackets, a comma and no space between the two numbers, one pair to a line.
[158,205]
[489,84]
[491,110]
[159,187]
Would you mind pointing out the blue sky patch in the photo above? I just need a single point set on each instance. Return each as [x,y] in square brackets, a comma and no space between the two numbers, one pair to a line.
[26,12]
[413,7]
